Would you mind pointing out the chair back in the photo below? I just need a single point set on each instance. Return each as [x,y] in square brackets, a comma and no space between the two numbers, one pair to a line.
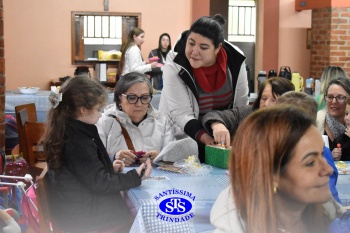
[26,112]
[36,156]
[46,221]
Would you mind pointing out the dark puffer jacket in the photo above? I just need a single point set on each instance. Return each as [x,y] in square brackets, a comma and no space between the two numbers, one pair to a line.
[85,193]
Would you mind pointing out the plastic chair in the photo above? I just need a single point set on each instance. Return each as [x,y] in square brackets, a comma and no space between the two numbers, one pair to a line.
[26,112]
[36,156]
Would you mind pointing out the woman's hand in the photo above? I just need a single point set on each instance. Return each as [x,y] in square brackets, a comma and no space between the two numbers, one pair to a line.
[221,134]
[147,171]
[336,153]
[128,155]
[118,165]
[154,65]
[152,153]
[206,139]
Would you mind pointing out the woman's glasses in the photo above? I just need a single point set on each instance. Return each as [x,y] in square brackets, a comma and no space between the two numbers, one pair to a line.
[338,98]
[132,99]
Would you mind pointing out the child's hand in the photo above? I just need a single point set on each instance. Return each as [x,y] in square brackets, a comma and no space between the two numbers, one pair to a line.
[336,153]
[118,165]
[150,154]
[347,131]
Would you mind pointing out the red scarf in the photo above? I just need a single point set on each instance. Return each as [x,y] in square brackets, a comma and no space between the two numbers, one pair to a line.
[212,78]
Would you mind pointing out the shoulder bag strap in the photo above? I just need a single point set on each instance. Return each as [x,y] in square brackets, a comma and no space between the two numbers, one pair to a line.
[125,134]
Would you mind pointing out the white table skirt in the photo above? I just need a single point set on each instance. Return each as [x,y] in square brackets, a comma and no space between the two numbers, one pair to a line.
[206,188]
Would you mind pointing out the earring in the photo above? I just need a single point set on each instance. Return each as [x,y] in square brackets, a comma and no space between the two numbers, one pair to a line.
[120,107]
[274,189]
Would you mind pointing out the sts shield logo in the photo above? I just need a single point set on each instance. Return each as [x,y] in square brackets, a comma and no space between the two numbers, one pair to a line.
[175,205]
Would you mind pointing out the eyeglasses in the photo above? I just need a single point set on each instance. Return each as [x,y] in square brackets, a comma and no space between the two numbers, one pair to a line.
[132,99]
[338,98]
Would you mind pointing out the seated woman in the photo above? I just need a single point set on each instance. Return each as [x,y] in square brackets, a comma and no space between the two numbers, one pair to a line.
[309,105]
[282,186]
[330,121]
[342,151]
[84,185]
[223,124]
[148,130]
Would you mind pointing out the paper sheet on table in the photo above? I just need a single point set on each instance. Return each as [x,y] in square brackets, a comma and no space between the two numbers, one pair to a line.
[178,150]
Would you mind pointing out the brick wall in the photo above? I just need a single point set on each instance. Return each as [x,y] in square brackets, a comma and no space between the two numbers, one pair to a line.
[2,80]
[330,39]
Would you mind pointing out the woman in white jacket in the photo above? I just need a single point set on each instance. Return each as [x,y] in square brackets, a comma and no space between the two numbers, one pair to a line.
[202,73]
[131,59]
[149,131]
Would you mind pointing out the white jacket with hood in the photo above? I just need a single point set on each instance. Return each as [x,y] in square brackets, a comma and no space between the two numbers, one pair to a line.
[153,133]
[179,99]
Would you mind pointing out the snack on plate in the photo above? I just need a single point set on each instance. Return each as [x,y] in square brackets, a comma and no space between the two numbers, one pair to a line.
[342,168]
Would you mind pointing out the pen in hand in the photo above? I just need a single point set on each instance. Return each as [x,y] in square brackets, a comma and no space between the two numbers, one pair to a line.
[145,166]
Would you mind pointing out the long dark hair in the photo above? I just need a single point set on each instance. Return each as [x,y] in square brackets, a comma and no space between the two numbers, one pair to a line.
[159,49]
[77,92]
[129,43]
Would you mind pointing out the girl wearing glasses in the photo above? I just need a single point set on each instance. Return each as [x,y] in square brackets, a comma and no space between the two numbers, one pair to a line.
[148,130]
[330,121]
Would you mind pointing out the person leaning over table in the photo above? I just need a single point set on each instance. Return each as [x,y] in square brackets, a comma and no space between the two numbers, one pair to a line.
[223,124]
[284,185]
[83,184]
[131,59]
[148,129]
[330,121]
[164,46]
[309,105]
[202,72]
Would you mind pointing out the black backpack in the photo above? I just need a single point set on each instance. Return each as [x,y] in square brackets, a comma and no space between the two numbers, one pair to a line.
[285,72]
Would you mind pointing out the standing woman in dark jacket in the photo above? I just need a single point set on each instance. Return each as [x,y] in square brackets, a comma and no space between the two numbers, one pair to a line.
[164,46]
[84,185]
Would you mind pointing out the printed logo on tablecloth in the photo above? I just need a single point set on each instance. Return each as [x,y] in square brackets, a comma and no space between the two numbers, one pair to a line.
[175,205]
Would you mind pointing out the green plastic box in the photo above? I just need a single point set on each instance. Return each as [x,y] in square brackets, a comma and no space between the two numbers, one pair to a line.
[217,156]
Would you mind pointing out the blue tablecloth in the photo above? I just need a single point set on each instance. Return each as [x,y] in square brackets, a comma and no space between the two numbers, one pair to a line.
[205,188]
[41,100]
[343,187]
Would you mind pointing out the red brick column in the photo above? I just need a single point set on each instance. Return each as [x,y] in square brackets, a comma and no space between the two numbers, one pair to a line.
[330,39]
[2,80]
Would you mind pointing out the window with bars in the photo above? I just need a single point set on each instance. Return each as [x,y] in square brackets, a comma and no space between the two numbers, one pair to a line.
[102,30]
[241,20]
